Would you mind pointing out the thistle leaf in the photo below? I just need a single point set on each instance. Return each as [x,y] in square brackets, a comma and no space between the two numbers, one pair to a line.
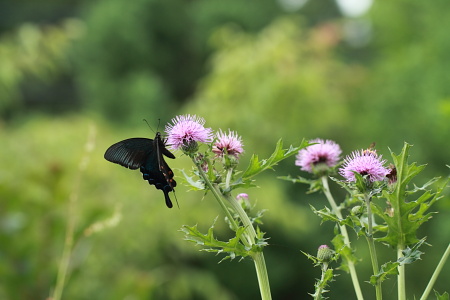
[257,166]
[196,185]
[389,268]
[314,184]
[444,296]
[410,255]
[233,247]
[407,214]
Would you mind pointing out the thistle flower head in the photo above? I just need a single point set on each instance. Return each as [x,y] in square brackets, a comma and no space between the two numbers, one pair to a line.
[365,162]
[323,153]
[324,253]
[229,143]
[186,131]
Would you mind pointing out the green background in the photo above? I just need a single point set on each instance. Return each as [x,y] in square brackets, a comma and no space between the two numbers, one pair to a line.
[78,76]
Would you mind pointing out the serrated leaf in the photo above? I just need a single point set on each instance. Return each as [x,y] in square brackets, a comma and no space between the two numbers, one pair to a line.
[343,250]
[407,215]
[411,255]
[444,296]
[209,243]
[314,184]
[257,166]
[196,185]
[326,214]
[389,268]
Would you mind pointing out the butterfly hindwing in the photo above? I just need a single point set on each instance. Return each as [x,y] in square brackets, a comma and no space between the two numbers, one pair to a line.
[147,155]
[159,174]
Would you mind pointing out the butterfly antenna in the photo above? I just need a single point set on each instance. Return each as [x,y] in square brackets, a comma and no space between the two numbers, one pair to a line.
[149,125]
[176,199]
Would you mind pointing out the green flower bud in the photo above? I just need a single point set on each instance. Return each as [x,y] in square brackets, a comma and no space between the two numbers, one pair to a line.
[324,253]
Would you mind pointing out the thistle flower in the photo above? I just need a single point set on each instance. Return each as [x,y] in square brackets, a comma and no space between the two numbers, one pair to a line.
[228,144]
[324,154]
[185,131]
[364,162]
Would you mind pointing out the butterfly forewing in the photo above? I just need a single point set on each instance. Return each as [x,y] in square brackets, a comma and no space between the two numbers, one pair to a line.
[131,153]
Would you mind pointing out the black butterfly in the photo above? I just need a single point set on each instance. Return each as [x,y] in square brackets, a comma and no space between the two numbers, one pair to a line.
[146,154]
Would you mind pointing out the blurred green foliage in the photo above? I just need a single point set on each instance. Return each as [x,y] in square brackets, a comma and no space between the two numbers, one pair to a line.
[252,67]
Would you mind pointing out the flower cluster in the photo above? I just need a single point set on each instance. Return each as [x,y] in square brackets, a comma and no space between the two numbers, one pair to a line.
[186,131]
[325,154]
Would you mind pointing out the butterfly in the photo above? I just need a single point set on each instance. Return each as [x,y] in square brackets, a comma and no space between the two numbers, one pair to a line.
[147,155]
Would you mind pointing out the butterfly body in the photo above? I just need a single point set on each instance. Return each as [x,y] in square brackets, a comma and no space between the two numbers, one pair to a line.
[148,156]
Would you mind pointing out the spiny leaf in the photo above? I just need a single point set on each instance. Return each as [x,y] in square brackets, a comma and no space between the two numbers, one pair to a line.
[389,268]
[343,250]
[444,296]
[351,221]
[257,166]
[410,255]
[407,215]
[314,184]
[196,185]
[326,214]
[209,243]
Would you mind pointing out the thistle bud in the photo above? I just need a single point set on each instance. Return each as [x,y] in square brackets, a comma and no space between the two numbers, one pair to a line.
[324,253]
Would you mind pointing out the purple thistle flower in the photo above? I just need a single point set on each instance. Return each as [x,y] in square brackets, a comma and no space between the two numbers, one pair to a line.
[324,152]
[228,143]
[185,131]
[364,162]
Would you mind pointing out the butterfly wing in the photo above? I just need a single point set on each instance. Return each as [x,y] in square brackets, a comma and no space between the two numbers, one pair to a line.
[147,155]
[157,172]
[130,153]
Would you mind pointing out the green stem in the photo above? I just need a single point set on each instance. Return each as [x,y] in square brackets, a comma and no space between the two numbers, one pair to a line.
[318,293]
[436,273]
[263,278]
[337,211]
[371,243]
[217,195]
[401,275]
[248,238]
[258,256]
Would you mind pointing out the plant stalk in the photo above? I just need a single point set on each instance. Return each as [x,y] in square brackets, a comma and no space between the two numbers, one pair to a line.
[249,236]
[401,275]
[436,273]
[371,243]
[318,293]
[337,211]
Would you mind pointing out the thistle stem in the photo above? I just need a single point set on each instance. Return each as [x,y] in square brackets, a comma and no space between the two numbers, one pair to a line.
[401,290]
[371,243]
[337,211]
[248,238]
[217,195]
[318,293]
[436,273]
